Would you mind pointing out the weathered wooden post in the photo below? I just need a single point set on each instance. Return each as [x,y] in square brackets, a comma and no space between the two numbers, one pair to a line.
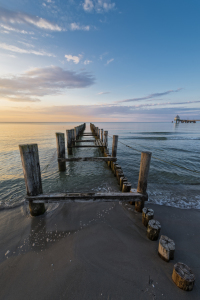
[69,141]
[32,175]
[60,140]
[75,137]
[97,132]
[102,135]
[114,148]
[143,176]
[114,145]
[106,138]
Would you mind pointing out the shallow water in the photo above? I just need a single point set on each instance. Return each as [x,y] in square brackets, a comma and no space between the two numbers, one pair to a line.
[174,172]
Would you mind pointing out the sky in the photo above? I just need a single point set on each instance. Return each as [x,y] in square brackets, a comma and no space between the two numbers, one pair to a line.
[99,60]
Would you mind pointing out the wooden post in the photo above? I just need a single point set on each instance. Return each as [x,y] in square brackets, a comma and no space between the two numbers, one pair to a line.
[114,145]
[69,141]
[60,139]
[126,188]
[75,137]
[143,176]
[106,138]
[166,248]
[183,277]
[147,214]
[153,229]
[32,175]
[102,135]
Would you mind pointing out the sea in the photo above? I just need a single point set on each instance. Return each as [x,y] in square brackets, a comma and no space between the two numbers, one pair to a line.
[174,176]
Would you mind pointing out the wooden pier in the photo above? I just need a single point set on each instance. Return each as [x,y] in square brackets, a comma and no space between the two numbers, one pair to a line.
[32,174]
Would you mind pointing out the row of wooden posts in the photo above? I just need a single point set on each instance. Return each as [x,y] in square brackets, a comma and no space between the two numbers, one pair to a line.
[31,168]
[125,185]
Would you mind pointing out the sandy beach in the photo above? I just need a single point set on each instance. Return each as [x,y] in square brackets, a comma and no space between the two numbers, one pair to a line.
[94,251]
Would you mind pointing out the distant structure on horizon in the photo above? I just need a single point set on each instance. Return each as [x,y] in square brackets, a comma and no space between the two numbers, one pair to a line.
[177,119]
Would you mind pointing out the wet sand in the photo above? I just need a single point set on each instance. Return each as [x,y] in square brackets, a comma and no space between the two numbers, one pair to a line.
[94,251]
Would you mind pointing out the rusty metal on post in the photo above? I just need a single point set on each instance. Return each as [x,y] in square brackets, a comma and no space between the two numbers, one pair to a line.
[60,140]
[32,175]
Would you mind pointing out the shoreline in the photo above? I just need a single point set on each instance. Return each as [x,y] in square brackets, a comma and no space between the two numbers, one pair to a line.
[94,251]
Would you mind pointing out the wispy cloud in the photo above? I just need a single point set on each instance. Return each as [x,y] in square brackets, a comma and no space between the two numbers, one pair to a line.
[87,62]
[12,17]
[75,59]
[103,93]
[151,96]
[77,26]
[98,5]
[24,51]
[39,82]
[9,28]
[109,61]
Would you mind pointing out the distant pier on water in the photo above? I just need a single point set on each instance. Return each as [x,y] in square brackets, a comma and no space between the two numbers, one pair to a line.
[177,119]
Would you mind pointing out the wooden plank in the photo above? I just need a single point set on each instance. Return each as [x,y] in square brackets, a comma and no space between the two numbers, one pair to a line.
[84,141]
[87,146]
[86,197]
[90,159]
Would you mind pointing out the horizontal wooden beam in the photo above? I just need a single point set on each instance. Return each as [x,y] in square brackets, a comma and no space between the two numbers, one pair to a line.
[89,159]
[89,135]
[92,146]
[84,141]
[86,197]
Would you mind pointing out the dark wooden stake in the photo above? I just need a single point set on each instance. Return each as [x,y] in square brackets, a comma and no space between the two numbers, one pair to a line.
[143,176]
[32,175]
[69,141]
[114,145]
[60,140]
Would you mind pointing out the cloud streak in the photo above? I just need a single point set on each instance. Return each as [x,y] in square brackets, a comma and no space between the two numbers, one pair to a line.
[39,82]
[151,96]
[8,16]
[103,93]
[109,61]
[24,51]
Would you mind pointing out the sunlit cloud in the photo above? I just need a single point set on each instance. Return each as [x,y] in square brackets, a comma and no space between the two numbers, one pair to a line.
[40,82]
[75,59]
[76,26]
[98,5]
[151,96]
[8,16]
[24,51]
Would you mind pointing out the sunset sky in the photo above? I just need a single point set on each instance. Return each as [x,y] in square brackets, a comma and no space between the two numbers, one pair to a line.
[99,60]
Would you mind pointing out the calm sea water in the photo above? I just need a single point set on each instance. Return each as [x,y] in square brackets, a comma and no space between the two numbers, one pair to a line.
[174,177]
